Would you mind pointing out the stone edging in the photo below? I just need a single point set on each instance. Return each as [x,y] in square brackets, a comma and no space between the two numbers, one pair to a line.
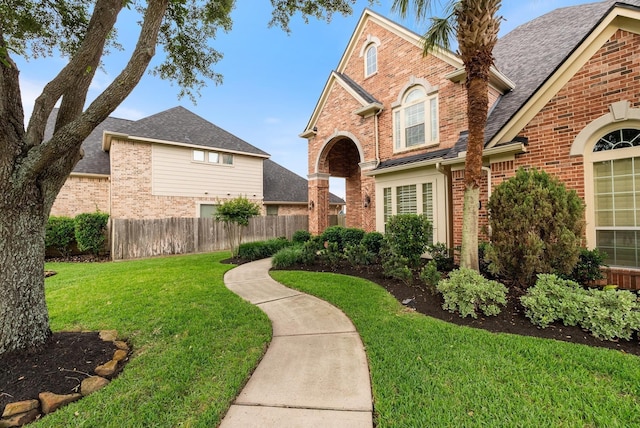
[23,412]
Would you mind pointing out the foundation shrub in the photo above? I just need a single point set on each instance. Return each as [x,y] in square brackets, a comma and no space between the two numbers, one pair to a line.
[331,255]
[537,227]
[408,236]
[587,269]
[467,292]
[430,276]
[60,234]
[442,256]
[300,236]
[358,255]
[607,314]
[394,265]
[90,231]
[373,242]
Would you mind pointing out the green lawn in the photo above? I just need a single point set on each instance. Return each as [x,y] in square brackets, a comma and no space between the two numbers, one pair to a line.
[195,342]
[426,372]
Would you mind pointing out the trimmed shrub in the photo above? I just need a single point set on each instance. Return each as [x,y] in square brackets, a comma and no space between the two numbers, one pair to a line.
[331,255]
[90,231]
[373,242]
[611,314]
[408,236]
[607,314]
[537,226]
[60,234]
[553,299]
[430,276]
[467,292]
[442,256]
[358,255]
[261,249]
[587,269]
[235,214]
[351,236]
[300,236]
[333,234]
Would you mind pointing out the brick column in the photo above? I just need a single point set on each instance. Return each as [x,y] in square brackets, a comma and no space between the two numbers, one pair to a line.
[318,203]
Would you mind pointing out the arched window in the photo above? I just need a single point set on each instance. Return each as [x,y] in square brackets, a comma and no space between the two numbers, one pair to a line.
[616,196]
[415,120]
[371,60]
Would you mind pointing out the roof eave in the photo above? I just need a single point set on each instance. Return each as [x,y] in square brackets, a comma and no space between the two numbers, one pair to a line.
[496,79]
[512,148]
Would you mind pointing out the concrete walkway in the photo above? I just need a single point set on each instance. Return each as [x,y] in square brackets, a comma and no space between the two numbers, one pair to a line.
[315,372]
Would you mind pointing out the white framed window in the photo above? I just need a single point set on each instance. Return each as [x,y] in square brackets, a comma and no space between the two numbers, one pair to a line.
[415,120]
[616,196]
[211,157]
[406,199]
[387,204]
[198,155]
[371,60]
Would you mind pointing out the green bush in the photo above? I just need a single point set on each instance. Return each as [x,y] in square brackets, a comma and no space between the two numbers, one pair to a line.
[60,234]
[287,257]
[310,250]
[587,269]
[373,242]
[553,299]
[332,234]
[430,276]
[351,236]
[235,214]
[607,314]
[358,255]
[467,292]
[409,236]
[331,255]
[261,249]
[300,236]
[394,265]
[442,256]
[611,314]
[536,227]
[90,231]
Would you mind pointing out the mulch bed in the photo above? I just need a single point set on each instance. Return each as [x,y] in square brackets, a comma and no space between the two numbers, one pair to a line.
[510,320]
[66,360]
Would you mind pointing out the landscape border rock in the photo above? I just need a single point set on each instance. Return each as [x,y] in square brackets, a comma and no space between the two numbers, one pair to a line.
[20,413]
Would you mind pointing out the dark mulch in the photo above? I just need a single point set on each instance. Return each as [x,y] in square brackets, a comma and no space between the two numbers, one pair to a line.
[60,367]
[510,320]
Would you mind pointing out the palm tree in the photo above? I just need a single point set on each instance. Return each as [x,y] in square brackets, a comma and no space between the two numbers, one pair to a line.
[475,24]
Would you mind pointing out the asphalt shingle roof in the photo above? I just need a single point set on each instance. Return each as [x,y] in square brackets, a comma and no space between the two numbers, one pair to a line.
[283,185]
[529,54]
[183,126]
[95,160]
[370,99]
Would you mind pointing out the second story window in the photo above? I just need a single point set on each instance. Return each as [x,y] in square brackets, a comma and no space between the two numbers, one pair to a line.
[415,121]
[371,60]
[212,157]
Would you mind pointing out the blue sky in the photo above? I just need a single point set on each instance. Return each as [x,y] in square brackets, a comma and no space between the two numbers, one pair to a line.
[272,80]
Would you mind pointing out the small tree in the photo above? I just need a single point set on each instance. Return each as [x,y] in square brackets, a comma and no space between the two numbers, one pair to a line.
[537,226]
[235,214]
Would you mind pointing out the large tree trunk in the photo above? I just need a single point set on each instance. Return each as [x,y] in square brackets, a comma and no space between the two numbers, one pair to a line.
[24,322]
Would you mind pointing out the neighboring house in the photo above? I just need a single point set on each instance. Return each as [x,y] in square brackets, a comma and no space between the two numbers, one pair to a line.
[564,97]
[175,164]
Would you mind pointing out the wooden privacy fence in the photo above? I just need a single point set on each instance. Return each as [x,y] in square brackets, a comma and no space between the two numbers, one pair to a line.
[133,239]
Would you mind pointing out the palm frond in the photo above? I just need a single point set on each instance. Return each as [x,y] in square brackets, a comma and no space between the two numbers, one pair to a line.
[440,34]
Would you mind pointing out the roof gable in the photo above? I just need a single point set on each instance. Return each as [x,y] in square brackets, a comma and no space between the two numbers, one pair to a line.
[282,185]
[179,126]
[542,55]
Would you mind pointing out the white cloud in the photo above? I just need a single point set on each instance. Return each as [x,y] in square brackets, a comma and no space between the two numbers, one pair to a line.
[272,121]
[123,112]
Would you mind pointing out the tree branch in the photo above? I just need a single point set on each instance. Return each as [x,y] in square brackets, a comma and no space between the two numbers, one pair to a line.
[101,24]
[11,114]
[66,141]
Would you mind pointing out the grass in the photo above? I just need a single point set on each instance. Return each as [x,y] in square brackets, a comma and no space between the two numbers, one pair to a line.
[426,372]
[195,342]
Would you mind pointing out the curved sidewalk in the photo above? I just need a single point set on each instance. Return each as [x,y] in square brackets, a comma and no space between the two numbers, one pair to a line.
[314,373]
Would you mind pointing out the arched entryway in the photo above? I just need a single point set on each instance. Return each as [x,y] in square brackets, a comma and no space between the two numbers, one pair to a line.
[341,157]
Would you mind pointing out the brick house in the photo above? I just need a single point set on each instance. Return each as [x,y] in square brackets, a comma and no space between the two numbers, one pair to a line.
[564,97]
[175,164]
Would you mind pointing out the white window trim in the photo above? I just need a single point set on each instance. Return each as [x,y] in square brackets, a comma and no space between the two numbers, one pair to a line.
[400,107]
[370,41]
[206,158]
